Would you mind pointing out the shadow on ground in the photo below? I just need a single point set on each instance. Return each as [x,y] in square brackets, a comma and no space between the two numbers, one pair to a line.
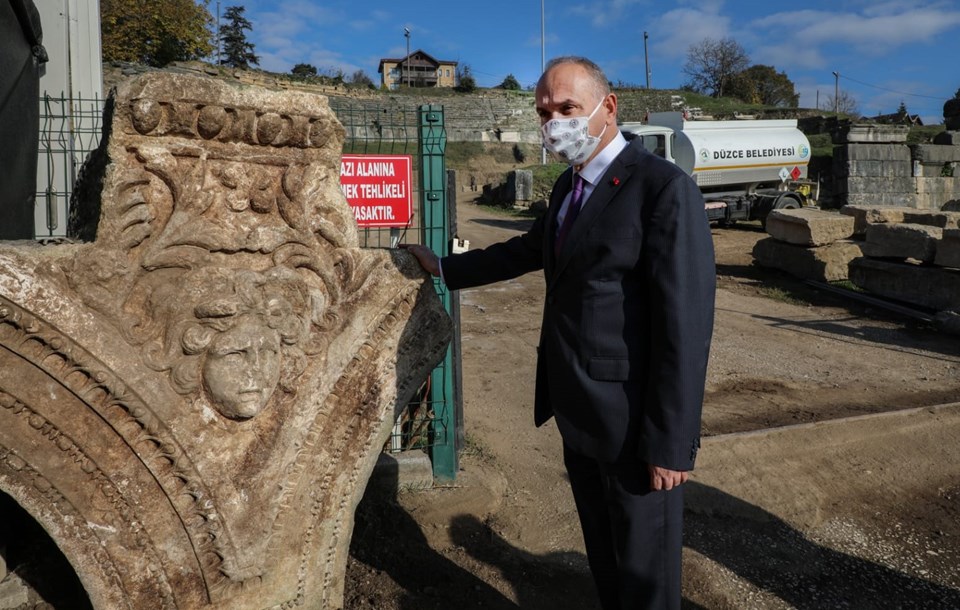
[393,567]
[762,549]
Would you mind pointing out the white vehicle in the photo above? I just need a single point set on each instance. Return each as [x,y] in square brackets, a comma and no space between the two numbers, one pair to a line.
[744,168]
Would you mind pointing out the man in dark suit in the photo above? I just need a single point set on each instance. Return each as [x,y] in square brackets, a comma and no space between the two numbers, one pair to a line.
[626,250]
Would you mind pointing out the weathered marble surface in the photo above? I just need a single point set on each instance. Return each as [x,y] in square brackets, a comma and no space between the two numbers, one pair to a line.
[192,401]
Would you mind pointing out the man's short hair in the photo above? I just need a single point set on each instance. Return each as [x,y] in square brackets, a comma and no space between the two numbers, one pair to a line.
[600,82]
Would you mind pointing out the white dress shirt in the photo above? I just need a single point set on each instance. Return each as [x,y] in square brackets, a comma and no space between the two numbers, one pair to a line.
[592,172]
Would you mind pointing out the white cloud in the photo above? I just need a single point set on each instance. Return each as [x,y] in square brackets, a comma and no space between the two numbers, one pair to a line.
[788,54]
[613,11]
[675,31]
[294,31]
[878,33]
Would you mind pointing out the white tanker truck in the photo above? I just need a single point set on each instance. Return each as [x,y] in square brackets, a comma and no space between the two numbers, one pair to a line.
[744,168]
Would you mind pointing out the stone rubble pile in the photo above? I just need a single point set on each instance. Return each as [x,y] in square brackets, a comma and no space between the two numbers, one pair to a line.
[909,255]
[808,243]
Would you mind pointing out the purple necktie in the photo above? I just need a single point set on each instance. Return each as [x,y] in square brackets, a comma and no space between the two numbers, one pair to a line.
[573,210]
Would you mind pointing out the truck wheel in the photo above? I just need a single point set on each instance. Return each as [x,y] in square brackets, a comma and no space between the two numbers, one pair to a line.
[788,201]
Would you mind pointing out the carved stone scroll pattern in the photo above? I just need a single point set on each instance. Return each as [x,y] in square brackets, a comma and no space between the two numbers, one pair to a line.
[51,497]
[400,310]
[123,513]
[162,118]
[361,368]
[133,421]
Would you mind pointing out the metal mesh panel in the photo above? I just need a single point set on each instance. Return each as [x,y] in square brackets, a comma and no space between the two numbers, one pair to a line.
[372,129]
[70,128]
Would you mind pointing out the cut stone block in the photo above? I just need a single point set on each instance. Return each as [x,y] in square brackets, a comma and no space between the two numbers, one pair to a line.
[519,186]
[866,215]
[948,250]
[825,263]
[809,226]
[936,153]
[931,287]
[873,152]
[888,199]
[948,138]
[884,185]
[902,241]
[944,220]
[872,134]
[402,471]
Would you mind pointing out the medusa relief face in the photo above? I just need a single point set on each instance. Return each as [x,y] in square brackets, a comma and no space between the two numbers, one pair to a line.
[241,368]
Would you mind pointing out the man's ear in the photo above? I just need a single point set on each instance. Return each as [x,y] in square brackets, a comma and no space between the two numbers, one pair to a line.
[610,103]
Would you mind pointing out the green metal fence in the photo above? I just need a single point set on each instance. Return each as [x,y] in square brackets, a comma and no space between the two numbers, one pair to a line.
[71,128]
[432,419]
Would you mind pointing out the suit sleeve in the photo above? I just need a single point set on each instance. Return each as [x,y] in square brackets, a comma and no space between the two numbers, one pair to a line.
[501,261]
[680,277]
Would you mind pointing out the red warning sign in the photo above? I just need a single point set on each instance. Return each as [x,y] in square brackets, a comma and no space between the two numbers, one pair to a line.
[379,188]
[795,173]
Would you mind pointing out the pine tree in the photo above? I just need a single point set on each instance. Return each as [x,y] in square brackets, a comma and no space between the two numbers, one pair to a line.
[237,51]
[510,83]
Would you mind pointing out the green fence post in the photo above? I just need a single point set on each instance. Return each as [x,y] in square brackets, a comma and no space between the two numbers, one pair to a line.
[433,206]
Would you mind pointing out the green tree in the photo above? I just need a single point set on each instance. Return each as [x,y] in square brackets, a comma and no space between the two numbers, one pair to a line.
[237,50]
[510,83]
[304,70]
[333,76]
[711,63]
[155,32]
[764,85]
[360,79]
[465,81]
[951,107]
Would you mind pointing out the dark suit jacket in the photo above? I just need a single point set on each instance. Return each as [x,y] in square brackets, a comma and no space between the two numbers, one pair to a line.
[628,314]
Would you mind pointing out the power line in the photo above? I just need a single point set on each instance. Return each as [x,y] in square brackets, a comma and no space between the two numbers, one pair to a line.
[930,97]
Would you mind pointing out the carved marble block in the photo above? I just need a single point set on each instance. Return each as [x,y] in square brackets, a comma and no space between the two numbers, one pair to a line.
[193,398]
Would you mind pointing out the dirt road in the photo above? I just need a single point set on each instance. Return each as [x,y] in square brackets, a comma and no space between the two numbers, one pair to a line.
[852,500]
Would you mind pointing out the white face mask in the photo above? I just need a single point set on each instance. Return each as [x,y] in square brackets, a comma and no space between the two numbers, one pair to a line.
[570,139]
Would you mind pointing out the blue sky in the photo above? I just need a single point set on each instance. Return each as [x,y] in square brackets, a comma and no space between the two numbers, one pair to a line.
[885,52]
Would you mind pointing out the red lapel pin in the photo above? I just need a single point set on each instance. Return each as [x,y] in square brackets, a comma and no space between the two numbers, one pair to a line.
[616,181]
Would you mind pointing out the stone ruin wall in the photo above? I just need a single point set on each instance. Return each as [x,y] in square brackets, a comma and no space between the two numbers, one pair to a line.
[193,399]
[875,166]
